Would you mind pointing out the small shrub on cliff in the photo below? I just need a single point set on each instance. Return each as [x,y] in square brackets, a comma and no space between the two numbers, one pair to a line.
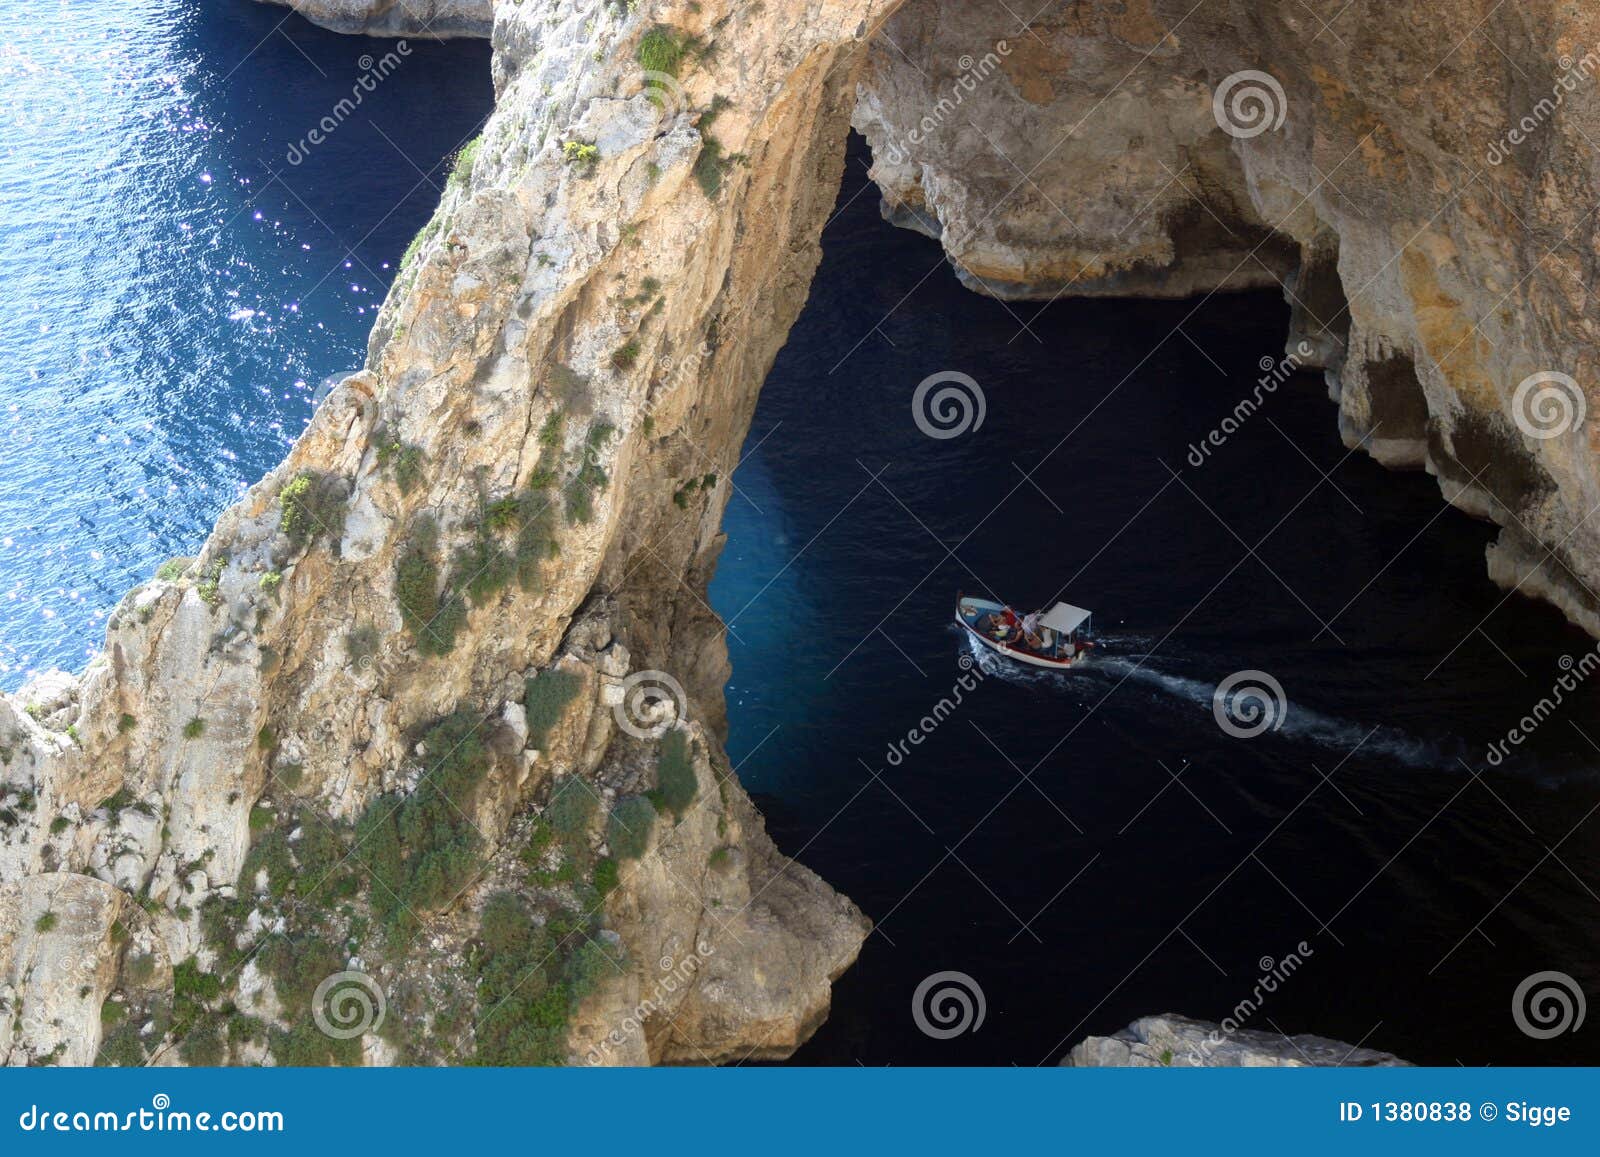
[605,876]
[362,643]
[580,153]
[626,356]
[202,1045]
[433,617]
[675,778]
[536,535]
[123,1048]
[482,569]
[660,50]
[405,460]
[572,805]
[466,159]
[628,828]
[422,847]
[195,728]
[502,514]
[530,981]
[313,507]
[45,922]
[710,167]
[544,702]
[268,852]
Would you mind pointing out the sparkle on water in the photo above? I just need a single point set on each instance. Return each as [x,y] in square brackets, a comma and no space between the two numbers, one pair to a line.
[175,291]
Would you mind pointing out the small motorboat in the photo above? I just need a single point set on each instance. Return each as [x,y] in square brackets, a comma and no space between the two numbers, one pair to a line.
[1052,638]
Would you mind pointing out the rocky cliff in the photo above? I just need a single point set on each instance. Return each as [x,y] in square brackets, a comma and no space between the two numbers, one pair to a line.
[427,737]
[434,19]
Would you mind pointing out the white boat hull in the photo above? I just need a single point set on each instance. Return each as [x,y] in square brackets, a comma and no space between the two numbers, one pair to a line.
[977,607]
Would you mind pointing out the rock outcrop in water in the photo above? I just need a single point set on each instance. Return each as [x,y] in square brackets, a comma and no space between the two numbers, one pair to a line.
[432,19]
[1176,1041]
[392,720]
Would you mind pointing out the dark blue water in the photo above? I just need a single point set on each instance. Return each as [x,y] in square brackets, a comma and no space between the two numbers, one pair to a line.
[1037,840]
[174,289]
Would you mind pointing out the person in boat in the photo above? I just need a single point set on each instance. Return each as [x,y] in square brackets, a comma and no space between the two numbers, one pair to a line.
[1030,631]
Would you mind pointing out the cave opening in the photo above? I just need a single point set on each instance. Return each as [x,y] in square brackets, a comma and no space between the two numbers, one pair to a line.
[1093,847]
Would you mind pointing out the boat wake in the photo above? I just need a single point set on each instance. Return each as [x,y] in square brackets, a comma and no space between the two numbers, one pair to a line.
[1293,720]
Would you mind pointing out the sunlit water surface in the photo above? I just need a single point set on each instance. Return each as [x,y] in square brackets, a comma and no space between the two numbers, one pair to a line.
[174,290]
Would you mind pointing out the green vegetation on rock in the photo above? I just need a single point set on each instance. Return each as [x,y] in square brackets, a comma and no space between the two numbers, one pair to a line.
[545,699]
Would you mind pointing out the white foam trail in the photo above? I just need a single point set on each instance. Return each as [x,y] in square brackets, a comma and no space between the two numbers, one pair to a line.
[1299,722]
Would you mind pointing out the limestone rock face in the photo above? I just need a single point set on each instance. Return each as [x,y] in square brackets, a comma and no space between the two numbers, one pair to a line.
[78,961]
[1156,1041]
[419,19]
[527,477]
[1419,177]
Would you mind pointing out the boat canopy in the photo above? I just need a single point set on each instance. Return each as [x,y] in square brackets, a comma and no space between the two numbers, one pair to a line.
[1064,617]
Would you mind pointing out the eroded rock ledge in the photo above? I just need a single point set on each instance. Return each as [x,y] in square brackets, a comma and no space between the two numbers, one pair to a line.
[418,19]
